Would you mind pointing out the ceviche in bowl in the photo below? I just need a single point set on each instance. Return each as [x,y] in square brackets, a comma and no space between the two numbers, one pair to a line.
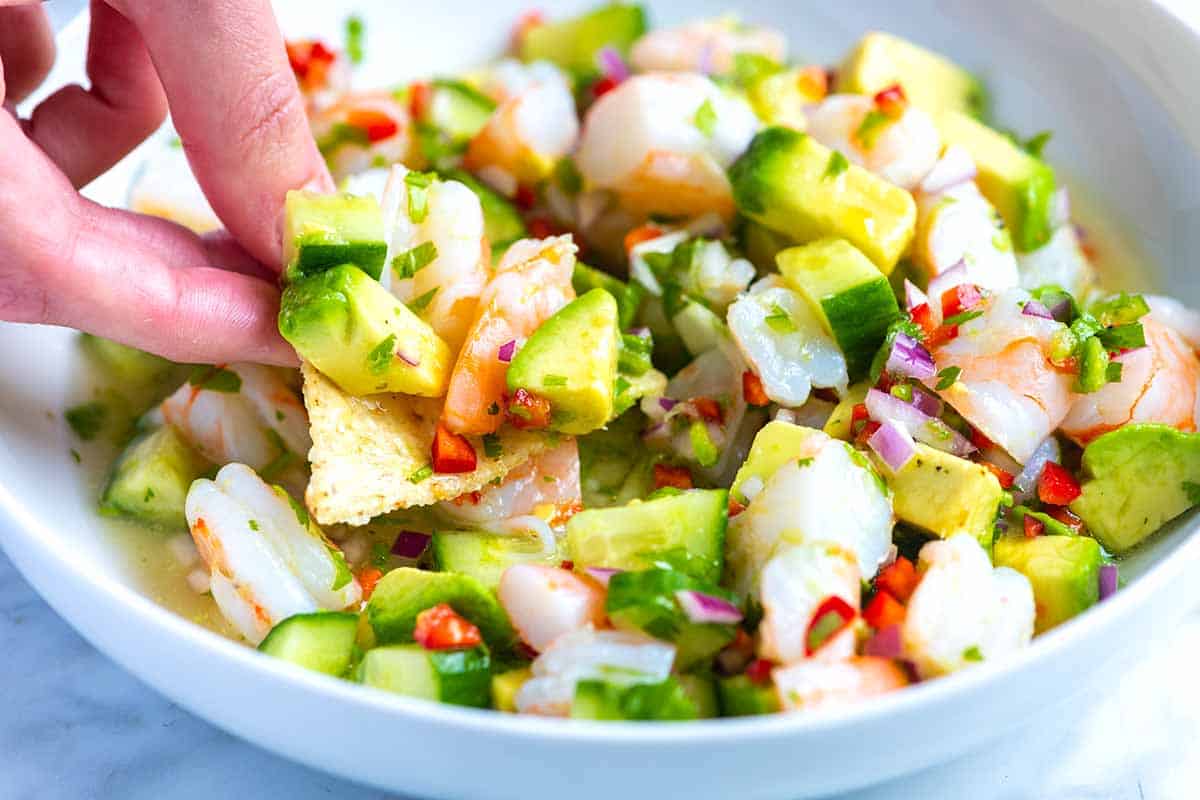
[652,374]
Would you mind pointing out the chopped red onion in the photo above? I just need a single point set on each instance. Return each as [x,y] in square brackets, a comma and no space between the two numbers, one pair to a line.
[412,361]
[893,444]
[1033,308]
[883,407]
[886,643]
[666,403]
[410,544]
[506,351]
[705,608]
[612,65]
[1061,311]
[955,167]
[602,574]
[705,64]
[913,296]
[910,359]
[1027,480]
[926,403]
[944,282]
[1108,581]
[641,333]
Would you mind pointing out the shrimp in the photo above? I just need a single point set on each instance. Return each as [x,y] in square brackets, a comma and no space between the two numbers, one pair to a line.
[589,654]
[706,46]
[1006,386]
[532,282]
[902,152]
[241,412]
[794,584]
[662,142]
[1158,384]
[1175,315]
[829,494]
[452,224]
[267,560]
[363,130]
[546,486]
[526,136]
[964,610]
[547,602]
[509,78]
[957,225]
[812,685]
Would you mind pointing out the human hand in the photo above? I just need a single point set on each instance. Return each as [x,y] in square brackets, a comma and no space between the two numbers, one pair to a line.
[221,67]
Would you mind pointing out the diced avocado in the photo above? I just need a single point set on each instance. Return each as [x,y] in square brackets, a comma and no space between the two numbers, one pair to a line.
[322,641]
[1064,572]
[685,531]
[851,296]
[360,336]
[614,466]
[1137,478]
[458,109]
[457,677]
[151,478]
[571,361]
[632,388]
[703,693]
[484,556]
[124,362]
[761,245]
[740,697]
[502,222]
[645,600]
[699,327]
[783,181]
[778,99]
[405,592]
[930,81]
[628,295]
[324,230]
[945,495]
[774,445]
[505,687]
[1020,185]
[840,421]
[573,44]
[660,702]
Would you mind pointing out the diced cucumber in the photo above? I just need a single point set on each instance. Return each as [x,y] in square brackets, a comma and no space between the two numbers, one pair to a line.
[660,702]
[322,641]
[700,329]
[703,693]
[502,222]
[323,231]
[614,467]
[127,363]
[457,677]
[484,556]
[1063,570]
[852,298]
[685,531]
[573,44]
[458,109]
[505,687]
[645,600]
[628,295]
[404,593]
[151,478]
[740,697]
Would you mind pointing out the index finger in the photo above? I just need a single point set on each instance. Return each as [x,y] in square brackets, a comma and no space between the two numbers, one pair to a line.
[237,108]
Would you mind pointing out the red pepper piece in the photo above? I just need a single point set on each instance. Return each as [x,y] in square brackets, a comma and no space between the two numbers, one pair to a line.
[1033,527]
[753,391]
[899,579]
[452,453]
[441,628]
[676,477]
[528,411]
[884,610]
[1057,486]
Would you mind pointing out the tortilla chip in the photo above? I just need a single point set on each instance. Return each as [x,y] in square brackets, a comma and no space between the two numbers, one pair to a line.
[366,449]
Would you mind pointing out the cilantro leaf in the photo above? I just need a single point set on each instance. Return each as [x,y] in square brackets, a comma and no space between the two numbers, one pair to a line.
[705,119]
[947,378]
[381,355]
[86,420]
[412,261]
[216,379]
[836,166]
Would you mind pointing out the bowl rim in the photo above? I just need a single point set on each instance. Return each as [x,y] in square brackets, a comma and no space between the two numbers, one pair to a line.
[25,522]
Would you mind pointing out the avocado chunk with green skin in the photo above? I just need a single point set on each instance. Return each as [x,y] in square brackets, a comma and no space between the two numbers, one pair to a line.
[457,677]
[945,495]
[1136,479]
[571,361]
[1020,185]
[646,601]
[667,701]
[930,81]
[841,421]
[405,592]
[324,230]
[783,182]
[485,556]
[1063,570]
[740,697]
[361,337]
[573,43]
[502,222]
[774,445]
[628,295]
[322,641]
[151,479]
[683,531]
[852,298]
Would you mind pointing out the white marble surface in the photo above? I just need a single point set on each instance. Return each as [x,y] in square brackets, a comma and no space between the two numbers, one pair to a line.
[73,725]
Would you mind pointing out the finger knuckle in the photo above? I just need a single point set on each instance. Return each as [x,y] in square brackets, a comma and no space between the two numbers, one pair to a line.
[269,111]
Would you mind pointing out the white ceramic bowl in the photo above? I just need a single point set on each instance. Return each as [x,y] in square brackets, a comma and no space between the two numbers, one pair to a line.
[1114,80]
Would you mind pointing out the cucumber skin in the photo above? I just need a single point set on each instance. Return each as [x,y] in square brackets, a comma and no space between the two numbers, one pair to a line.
[455,677]
[404,593]
[330,648]
[151,478]
[482,556]
[645,601]
[858,334]
[316,256]
[741,698]
[667,701]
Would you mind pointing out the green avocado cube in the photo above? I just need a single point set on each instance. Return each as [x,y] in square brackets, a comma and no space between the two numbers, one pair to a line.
[774,445]
[325,230]
[361,337]
[571,361]
[573,43]
[930,81]
[1063,570]
[627,294]
[840,422]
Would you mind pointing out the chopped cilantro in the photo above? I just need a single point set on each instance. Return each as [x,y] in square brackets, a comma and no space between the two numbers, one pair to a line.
[779,320]
[554,380]
[1192,490]
[381,355]
[342,134]
[412,261]
[354,38]
[1036,144]
[254,525]
[149,495]
[279,416]
[836,166]
[750,68]
[418,184]
[493,409]
[972,653]
[872,125]
[491,445]
[705,119]
[75,455]
[552,479]
[419,304]
[1123,337]
[422,474]
[947,378]
[86,420]
[216,379]
[567,175]
[1123,309]
[175,142]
